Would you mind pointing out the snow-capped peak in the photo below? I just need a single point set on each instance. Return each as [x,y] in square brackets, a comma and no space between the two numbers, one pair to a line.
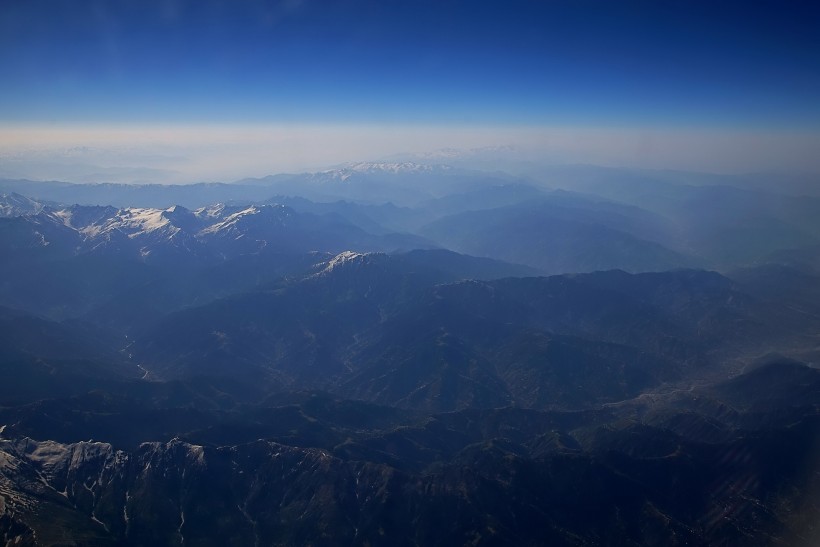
[395,167]
[347,258]
[232,220]
[343,257]
[134,222]
[252,210]
[381,168]
[211,211]
[12,205]
[138,220]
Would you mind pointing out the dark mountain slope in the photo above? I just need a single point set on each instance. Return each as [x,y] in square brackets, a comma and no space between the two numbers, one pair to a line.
[369,327]
[505,477]
[41,358]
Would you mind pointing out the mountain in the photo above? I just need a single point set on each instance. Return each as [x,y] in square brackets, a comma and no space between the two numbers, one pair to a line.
[68,261]
[14,205]
[374,183]
[401,183]
[135,195]
[221,230]
[368,327]
[725,221]
[275,369]
[506,476]
[301,325]
[554,238]
[41,358]
[706,220]
[806,258]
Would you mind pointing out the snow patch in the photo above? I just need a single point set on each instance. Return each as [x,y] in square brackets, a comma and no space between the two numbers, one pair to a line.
[101,523]
[64,215]
[125,511]
[231,220]
[379,168]
[395,167]
[345,257]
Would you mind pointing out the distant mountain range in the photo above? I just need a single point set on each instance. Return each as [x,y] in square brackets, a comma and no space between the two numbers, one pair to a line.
[577,219]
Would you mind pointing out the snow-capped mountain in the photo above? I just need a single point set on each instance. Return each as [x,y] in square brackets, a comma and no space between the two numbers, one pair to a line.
[82,216]
[216,231]
[13,205]
[379,169]
[350,260]
[237,224]
[395,167]
[402,183]
[134,222]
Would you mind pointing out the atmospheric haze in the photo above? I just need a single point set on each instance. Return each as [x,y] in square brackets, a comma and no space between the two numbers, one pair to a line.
[173,154]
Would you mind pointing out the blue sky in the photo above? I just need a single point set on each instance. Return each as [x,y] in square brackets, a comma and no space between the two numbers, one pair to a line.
[97,88]
[576,62]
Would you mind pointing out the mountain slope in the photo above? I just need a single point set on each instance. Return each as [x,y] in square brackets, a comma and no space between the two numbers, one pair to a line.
[552,238]
[368,327]
[501,476]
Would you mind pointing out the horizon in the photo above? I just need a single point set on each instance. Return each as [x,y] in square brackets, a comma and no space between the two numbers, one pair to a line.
[136,92]
[188,154]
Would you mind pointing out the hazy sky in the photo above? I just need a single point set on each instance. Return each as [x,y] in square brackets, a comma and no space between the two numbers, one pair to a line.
[96,87]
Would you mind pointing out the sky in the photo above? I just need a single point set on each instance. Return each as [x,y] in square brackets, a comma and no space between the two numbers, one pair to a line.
[121,89]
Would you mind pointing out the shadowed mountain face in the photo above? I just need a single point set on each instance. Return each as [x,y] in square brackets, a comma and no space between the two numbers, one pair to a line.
[293,372]
[506,476]
[365,328]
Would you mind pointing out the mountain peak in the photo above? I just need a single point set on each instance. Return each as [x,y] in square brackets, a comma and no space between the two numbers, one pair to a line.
[14,204]
[238,222]
[395,167]
[176,209]
[382,168]
[138,220]
[347,259]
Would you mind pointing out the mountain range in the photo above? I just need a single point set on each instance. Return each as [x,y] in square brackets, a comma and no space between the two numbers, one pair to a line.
[404,353]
